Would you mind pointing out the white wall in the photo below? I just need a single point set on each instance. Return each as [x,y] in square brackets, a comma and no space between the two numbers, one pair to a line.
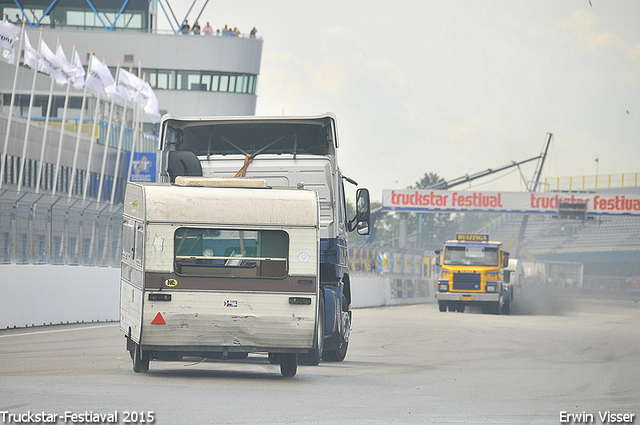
[46,294]
[374,290]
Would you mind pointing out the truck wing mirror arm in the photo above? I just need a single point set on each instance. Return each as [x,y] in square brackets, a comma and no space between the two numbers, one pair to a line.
[350,180]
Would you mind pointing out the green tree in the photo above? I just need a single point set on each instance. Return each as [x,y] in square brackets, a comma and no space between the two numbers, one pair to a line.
[426,231]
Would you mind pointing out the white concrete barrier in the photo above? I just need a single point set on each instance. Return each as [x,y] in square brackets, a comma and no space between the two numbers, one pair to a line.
[374,290]
[36,295]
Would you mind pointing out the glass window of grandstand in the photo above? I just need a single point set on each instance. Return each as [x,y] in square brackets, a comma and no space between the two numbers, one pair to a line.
[231,253]
[224,83]
[83,17]
[215,82]
[193,82]
[162,79]
[32,14]
[200,81]
[206,82]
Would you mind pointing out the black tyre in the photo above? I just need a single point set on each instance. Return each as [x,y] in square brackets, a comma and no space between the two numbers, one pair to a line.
[288,364]
[340,353]
[442,306]
[140,360]
[312,358]
[496,308]
[506,308]
[460,308]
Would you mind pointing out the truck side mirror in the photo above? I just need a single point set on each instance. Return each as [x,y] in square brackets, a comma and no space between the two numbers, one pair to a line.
[438,258]
[505,259]
[362,221]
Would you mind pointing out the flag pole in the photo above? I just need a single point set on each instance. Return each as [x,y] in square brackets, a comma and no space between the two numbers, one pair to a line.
[64,118]
[136,123]
[75,153]
[16,60]
[135,126]
[116,171]
[93,132]
[26,133]
[46,127]
[106,143]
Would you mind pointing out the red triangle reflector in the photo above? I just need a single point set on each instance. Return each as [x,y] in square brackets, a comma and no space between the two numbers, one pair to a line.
[159,320]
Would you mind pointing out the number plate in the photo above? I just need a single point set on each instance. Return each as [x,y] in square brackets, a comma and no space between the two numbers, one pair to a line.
[467,298]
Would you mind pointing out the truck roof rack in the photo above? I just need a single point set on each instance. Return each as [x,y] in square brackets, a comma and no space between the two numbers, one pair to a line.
[221,182]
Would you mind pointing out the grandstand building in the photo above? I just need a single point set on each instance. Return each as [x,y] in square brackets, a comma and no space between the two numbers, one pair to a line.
[608,246]
[61,194]
[191,74]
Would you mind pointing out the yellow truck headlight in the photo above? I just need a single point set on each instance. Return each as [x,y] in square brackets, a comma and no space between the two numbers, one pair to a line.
[443,286]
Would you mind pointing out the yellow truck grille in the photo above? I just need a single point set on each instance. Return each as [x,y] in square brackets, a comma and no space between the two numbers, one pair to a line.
[466,282]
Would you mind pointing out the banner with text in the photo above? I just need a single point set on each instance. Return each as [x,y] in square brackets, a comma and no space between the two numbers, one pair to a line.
[426,201]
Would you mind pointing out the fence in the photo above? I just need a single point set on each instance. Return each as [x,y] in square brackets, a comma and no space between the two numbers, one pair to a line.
[602,181]
[45,229]
[146,142]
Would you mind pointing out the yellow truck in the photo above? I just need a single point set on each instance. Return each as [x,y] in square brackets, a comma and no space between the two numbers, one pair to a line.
[473,273]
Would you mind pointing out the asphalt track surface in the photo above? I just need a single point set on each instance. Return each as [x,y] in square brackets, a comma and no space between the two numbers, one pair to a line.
[409,364]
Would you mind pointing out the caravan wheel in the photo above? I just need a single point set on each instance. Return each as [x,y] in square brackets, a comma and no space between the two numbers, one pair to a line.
[288,364]
[140,360]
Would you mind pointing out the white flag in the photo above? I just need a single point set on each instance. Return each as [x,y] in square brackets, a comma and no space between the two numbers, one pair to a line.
[8,36]
[129,86]
[50,64]
[99,78]
[31,56]
[149,103]
[68,71]
[78,80]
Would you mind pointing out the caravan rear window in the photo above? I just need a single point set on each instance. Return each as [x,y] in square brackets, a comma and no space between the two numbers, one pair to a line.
[231,253]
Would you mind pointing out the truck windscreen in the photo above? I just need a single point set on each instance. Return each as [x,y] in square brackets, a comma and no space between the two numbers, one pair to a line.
[470,256]
[250,138]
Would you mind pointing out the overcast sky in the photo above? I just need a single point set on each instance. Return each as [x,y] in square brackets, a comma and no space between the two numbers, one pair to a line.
[452,87]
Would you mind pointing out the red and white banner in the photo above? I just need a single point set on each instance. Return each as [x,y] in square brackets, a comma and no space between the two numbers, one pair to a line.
[426,201]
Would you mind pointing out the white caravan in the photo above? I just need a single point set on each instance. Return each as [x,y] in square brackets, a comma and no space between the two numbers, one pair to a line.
[219,268]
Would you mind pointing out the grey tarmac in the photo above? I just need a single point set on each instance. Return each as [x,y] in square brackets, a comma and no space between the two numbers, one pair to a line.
[405,365]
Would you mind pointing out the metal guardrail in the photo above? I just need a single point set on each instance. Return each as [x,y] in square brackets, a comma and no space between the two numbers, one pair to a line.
[147,142]
[45,229]
[601,181]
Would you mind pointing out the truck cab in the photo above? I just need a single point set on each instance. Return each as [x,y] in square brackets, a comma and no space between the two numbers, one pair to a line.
[283,151]
[473,273]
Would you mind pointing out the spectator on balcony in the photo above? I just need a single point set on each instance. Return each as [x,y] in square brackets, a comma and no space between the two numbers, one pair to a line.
[196,28]
[207,30]
[185,28]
